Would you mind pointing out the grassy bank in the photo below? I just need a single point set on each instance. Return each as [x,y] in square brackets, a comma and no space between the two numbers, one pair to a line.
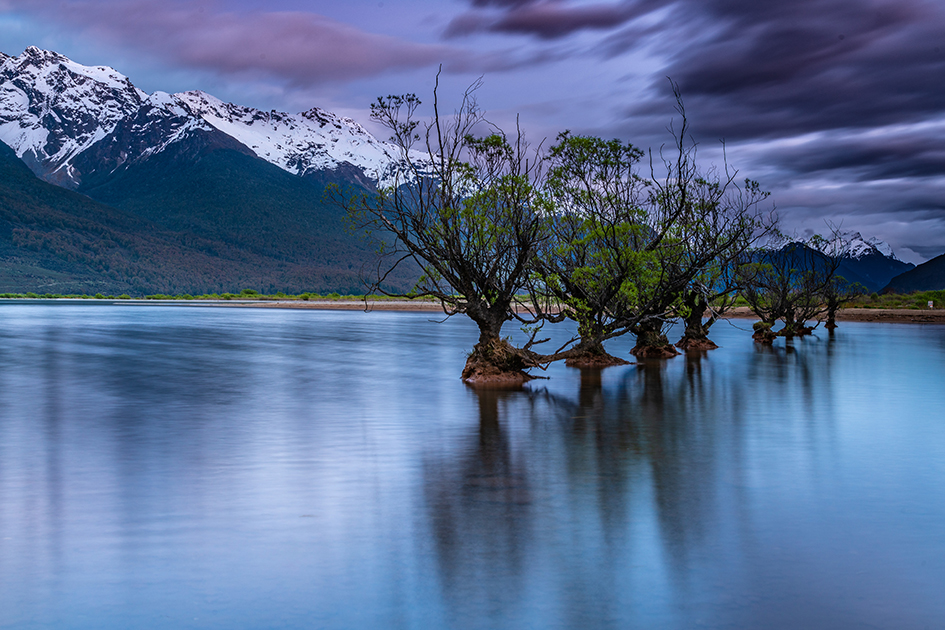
[245,294]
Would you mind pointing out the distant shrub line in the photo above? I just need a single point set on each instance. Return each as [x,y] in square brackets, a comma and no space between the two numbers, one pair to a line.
[245,294]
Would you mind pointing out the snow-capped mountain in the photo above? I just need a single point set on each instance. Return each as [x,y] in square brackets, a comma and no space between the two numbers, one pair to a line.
[868,262]
[315,140]
[852,245]
[53,110]
[857,247]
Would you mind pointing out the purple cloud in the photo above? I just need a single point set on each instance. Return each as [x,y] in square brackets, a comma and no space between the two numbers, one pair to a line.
[299,47]
[760,69]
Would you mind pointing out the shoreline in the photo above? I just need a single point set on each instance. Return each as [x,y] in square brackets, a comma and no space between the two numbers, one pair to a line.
[877,315]
[882,315]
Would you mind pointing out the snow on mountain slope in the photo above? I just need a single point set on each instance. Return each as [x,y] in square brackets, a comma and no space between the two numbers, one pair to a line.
[859,247]
[311,141]
[52,108]
[853,245]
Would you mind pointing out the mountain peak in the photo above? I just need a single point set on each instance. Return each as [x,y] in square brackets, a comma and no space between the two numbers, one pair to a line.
[857,247]
[33,52]
[52,109]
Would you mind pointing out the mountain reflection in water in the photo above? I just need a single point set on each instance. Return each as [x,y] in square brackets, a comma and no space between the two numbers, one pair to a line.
[233,468]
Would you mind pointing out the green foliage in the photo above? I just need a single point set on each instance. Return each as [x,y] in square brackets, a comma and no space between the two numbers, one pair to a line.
[916,300]
[628,250]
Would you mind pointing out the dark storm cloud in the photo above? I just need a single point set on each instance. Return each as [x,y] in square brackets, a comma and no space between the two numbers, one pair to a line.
[546,19]
[838,107]
[895,152]
[501,3]
[772,69]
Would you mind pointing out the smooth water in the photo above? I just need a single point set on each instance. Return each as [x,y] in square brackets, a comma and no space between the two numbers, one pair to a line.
[175,467]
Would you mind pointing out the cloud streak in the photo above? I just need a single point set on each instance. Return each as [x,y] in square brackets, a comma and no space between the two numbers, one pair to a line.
[545,19]
[301,48]
[790,68]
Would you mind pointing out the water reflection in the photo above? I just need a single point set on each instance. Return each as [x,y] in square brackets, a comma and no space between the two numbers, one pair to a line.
[241,468]
[480,509]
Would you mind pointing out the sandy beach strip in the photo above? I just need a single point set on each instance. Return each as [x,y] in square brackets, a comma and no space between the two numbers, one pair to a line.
[906,316]
[345,305]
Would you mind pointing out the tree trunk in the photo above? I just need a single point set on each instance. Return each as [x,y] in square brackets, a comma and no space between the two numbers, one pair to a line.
[494,362]
[763,332]
[652,343]
[696,336]
[831,315]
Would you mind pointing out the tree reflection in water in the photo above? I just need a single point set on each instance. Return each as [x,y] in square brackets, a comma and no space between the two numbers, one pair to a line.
[481,512]
[641,466]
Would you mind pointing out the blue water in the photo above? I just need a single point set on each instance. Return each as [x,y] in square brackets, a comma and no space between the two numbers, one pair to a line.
[198,467]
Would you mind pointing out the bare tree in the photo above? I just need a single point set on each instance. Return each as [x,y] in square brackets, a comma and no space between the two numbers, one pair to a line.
[467,210]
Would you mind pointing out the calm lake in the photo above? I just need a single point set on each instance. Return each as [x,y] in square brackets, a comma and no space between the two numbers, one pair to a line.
[206,467]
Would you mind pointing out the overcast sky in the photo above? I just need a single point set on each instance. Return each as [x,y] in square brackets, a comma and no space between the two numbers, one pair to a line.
[836,106]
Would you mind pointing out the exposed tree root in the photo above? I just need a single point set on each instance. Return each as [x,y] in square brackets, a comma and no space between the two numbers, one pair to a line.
[763,333]
[594,360]
[652,344]
[696,343]
[497,363]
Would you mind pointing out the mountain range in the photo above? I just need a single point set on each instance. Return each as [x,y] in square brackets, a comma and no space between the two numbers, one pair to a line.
[109,189]
[242,188]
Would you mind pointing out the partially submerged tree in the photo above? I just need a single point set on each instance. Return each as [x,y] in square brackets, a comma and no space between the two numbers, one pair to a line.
[789,284]
[711,294]
[598,244]
[836,295]
[597,259]
[631,254]
[838,291]
[468,211]
[702,222]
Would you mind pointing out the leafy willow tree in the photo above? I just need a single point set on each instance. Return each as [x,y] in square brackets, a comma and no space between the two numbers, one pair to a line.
[631,254]
[597,266]
[468,211]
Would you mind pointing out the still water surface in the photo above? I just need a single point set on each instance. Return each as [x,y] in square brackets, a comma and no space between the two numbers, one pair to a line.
[174,467]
